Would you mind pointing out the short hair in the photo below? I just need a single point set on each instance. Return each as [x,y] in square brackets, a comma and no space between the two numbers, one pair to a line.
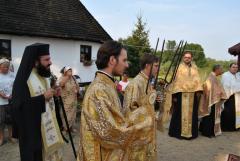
[216,67]
[148,59]
[187,52]
[232,64]
[4,62]
[106,50]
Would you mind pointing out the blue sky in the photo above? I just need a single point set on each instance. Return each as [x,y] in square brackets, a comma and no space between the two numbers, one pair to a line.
[215,24]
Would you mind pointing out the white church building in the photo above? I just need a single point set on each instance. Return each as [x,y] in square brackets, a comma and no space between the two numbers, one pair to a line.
[73,33]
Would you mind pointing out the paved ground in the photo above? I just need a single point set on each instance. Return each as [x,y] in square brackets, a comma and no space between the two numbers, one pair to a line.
[169,149]
[200,149]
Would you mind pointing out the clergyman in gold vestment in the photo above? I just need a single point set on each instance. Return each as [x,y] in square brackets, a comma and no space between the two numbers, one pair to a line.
[186,93]
[140,111]
[211,104]
[105,133]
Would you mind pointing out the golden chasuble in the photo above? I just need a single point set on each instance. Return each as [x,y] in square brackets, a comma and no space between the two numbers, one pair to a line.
[139,112]
[105,134]
[187,79]
[187,82]
[213,94]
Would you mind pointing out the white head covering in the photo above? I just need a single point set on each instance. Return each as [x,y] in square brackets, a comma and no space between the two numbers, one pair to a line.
[4,60]
[67,68]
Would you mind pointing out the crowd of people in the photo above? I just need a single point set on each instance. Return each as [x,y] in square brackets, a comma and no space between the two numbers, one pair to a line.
[211,103]
[118,120]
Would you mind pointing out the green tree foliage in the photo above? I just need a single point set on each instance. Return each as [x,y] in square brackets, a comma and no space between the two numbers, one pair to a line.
[210,62]
[196,49]
[134,59]
[205,64]
[171,45]
[169,51]
[137,44]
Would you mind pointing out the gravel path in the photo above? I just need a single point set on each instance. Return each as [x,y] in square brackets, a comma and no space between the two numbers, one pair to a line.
[169,149]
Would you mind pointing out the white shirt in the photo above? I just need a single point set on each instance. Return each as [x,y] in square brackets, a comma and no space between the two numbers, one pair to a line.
[231,83]
[123,84]
[6,84]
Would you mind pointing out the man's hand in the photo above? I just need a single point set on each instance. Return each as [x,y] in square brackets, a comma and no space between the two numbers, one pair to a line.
[5,96]
[48,94]
[57,91]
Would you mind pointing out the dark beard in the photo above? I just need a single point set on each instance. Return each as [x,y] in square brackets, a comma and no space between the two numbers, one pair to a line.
[43,71]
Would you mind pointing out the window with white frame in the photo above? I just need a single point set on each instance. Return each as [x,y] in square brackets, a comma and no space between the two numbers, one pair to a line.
[85,53]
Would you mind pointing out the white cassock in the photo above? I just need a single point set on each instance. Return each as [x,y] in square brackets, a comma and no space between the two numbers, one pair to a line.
[231,85]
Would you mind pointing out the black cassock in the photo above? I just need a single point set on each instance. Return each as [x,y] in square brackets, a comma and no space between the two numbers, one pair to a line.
[175,124]
[207,124]
[228,115]
[28,121]
[27,110]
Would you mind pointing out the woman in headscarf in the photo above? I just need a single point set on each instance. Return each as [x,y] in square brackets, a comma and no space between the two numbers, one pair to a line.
[69,92]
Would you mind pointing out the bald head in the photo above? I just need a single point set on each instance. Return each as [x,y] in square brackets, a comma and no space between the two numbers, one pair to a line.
[217,69]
